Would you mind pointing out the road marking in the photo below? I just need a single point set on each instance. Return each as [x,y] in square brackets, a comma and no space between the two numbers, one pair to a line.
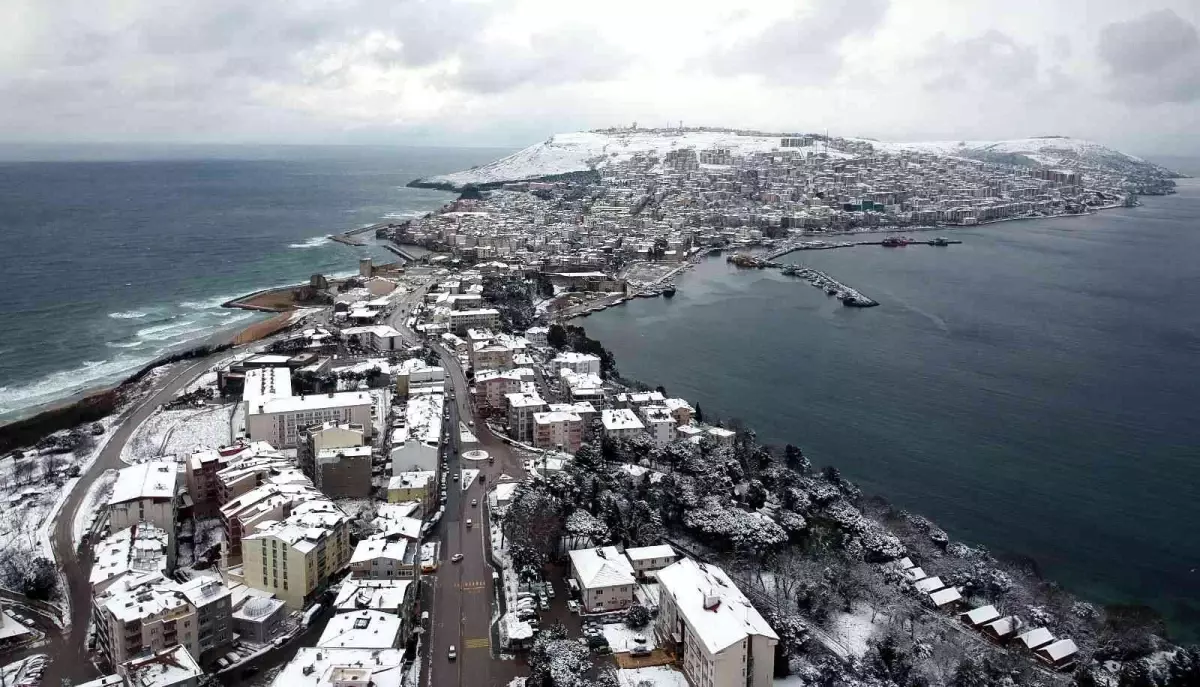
[476,586]
[481,643]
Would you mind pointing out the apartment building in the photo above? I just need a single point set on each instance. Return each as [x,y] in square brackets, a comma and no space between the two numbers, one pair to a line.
[605,578]
[140,614]
[381,559]
[269,502]
[621,423]
[294,558]
[140,549]
[659,422]
[579,363]
[327,435]
[558,429]
[415,445]
[145,493]
[521,409]
[281,420]
[715,630]
[412,486]
[650,559]
[462,320]
[492,386]
[214,615]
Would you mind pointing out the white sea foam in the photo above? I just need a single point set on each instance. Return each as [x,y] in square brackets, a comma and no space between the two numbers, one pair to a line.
[314,242]
[128,315]
[89,374]
[209,304]
[124,344]
[409,214]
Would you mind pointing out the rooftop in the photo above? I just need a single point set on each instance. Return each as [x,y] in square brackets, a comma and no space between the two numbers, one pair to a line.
[151,480]
[642,553]
[311,402]
[139,548]
[357,594]
[326,667]
[172,666]
[620,419]
[711,604]
[365,629]
[601,567]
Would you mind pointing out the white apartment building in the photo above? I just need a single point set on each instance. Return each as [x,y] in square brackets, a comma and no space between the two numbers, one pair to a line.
[281,420]
[380,559]
[605,578]
[648,559]
[378,337]
[680,409]
[462,320]
[415,445]
[491,386]
[348,667]
[558,429]
[660,424]
[145,493]
[537,335]
[721,638]
[579,363]
[521,409]
[415,373]
[621,423]
[365,629]
[137,550]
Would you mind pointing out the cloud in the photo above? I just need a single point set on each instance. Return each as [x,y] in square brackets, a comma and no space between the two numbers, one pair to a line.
[991,60]
[561,56]
[800,48]
[1152,59]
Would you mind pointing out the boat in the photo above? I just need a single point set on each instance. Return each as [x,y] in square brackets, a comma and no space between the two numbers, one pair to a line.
[894,242]
[669,292]
[940,241]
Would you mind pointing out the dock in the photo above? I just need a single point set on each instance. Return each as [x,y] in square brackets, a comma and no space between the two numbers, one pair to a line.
[848,296]
[350,238]
[889,242]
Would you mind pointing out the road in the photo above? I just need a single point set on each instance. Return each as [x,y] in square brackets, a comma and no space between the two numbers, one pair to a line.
[69,657]
[464,596]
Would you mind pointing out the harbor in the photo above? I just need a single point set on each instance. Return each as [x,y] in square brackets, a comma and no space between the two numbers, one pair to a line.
[849,297]
[889,242]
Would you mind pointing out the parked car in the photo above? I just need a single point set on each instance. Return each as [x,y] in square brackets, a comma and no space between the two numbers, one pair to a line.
[549,589]
[543,603]
[573,606]
[639,651]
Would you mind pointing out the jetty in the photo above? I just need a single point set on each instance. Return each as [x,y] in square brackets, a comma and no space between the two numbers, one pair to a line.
[889,242]
[402,252]
[350,238]
[848,296]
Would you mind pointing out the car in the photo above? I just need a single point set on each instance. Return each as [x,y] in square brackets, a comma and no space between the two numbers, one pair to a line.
[638,651]
[469,523]
[640,639]
[452,654]
[470,423]
[543,603]
[456,477]
[549,589]
[456,558]
[474,503]
[573,606]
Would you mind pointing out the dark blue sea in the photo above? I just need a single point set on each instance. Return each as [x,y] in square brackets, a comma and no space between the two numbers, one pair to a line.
[112,256]
[1035,390]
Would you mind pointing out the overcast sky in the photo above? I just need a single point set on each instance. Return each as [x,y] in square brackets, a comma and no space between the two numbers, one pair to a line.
[512,72]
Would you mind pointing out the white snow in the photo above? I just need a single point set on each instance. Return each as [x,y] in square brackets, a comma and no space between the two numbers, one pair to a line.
[1049,150]
[468,476]
[178,433]
[583,150]
[621,637]
[855,630]
[658,676]
[96,497]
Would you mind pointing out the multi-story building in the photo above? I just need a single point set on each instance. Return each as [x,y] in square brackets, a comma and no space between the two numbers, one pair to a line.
[579,363]
[214,615]
[649,559]
[462,320]
[412,486]
[294,558]
[415,445]
[715,630]
[172,667]
[145,493]
[620,423]
[137,550]
[660,424]
[492,386]
[343,473]
[380,559]
[269,502]
[558,429]
[281,420]
[144,613]
[605,578]
[680,409]
[341,667]
[327,435]
[415,373]
[521,409]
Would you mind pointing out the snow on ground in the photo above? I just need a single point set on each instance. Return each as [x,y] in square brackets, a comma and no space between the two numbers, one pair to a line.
[855,630]
[468,476]
[176,433]
[92,503]
[621,637]
[208,379]
[583,150]
[26,671]
[658,676]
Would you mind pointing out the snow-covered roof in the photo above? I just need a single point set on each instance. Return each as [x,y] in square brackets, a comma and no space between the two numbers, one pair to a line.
[383,331]
[139,548]
[981,615]
[1035,638]
[371,549]
[150,480]
[411,480]
[357,594]
[169,667]
[409,528]
[524,400]
[10,627]
[288,404]
[364,629]
[945,596]
[1058,650]
[718,613]
[601,567]
[332,455]
[929,584]
[265,383]
[147,596]
[1005,626]
[325,667]
[620,419]
[642,553]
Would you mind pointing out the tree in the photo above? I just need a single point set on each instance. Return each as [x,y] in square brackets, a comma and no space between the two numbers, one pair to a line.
[794,458]
[699,413]
[637,617]
[1183,668]
[556,337]
[42,582]
[1137,673]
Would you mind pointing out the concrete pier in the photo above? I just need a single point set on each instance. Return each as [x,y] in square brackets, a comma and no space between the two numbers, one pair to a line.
[848,296]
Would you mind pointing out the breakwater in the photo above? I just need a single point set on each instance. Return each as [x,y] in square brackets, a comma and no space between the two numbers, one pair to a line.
[848,296]
[889,242]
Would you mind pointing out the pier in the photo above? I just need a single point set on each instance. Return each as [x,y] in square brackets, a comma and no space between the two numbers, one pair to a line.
[848,296]
[399,250]
[889,242]
[350,238]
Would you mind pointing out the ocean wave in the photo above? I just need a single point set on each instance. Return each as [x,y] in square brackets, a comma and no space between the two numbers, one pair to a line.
[409,214]
[128,315]
[314,242]
[56,385]
[209,304]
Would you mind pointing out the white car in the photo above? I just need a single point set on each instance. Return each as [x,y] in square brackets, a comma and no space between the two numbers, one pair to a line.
[474,503]
[453,653]
[456,558]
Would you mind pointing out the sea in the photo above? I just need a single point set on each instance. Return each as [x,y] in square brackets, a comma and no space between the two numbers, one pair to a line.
[1034,390]
[114,256]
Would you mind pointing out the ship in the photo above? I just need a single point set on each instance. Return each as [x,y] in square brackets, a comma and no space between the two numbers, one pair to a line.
[669,291]
[940,241]
[895,242]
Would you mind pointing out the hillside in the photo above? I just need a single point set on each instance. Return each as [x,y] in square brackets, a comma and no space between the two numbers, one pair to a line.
[590,150]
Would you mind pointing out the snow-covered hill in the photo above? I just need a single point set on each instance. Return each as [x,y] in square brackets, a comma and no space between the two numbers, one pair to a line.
[586,150]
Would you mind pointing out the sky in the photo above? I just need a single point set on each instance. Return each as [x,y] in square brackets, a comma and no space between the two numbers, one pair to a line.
[509,73]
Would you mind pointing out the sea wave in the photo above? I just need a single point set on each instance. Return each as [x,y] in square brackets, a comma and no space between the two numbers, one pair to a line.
[56,385]
[314,242]
[410,214]
[128,315]
[208,304]
[124,344]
